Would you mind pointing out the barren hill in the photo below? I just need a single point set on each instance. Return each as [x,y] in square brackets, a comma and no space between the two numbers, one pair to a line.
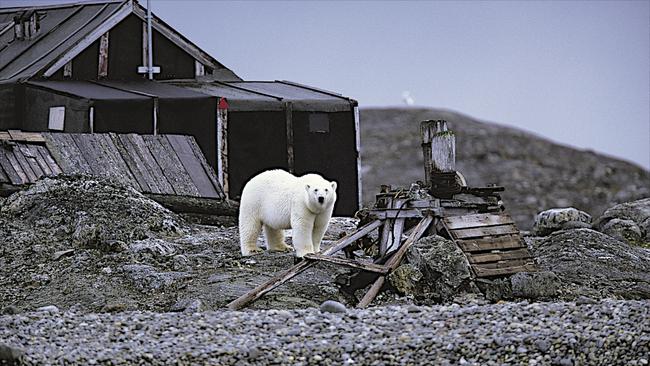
[538,174]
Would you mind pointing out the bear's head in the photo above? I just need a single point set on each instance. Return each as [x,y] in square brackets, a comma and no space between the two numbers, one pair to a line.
[321,195]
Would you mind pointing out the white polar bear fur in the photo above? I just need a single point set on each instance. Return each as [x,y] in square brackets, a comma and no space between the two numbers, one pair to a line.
[277,200]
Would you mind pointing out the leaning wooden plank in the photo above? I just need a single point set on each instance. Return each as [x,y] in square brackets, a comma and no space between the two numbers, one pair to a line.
[484,231]
[48,159]
[522,253]
[208,169]
[66,153]
[33,150]
[135,163]
[192,165]
[393,213]
[151,164]
[93,155]
[197,205]
[3,176]
[395,260]
[172,168]
[4,135]
[23,164]
[483,244]
[15,177]
[17,135]
[490,272]
[31,159]
[370,267]
[115,160]
[288,274]
[476,220]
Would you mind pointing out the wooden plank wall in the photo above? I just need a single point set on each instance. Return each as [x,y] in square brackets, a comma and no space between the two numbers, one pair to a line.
[164,164]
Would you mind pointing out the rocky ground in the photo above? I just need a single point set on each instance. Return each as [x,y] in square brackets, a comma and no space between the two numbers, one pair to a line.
[600,333]
[538,174]
[92,272]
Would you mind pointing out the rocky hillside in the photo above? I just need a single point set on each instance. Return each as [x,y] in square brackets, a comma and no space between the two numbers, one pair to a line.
[538,174]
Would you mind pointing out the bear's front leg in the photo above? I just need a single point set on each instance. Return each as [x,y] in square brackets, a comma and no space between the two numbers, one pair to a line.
[320,227]
[302,235]
[275,240]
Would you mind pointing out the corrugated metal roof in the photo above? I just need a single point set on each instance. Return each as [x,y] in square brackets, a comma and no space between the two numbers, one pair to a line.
[67,29]
[271,95]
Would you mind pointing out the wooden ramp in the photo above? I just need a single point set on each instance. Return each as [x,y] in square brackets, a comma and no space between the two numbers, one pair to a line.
[491,243]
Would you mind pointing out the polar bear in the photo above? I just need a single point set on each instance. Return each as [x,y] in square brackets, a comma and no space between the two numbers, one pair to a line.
[278,200]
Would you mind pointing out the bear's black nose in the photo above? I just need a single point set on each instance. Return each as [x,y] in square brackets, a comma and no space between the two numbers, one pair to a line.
[321,199]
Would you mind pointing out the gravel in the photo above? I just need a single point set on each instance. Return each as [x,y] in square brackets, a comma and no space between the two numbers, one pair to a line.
[608,332]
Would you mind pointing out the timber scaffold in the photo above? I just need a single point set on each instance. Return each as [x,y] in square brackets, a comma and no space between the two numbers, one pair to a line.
[474,218]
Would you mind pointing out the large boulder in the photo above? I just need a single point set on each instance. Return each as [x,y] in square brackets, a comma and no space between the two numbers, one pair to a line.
[629,222]
[436,270]
[556,219]
[590,263]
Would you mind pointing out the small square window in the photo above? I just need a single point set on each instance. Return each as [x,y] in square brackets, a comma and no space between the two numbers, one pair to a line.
[319,123]
[56,119]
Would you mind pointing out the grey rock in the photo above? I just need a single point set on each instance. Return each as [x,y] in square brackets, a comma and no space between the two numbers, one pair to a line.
[187,305]
[331,306]
[444,270]
[10,355]
[556,219]
[48,309]
[584,300]
[9,310]
[636,211]
[535,285]
[623,230]
[542,345]
[496,289]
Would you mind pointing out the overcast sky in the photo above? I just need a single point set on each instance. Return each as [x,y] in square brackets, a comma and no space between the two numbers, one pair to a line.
[577,72]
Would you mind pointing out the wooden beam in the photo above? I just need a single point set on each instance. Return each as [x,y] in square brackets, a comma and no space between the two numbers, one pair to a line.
[288,110]
[438,148]
[484,231]
[484,244]
[477,220]
[370,267]
[395,260]
[288,274]
[222,151]
[522,253]
[102,64]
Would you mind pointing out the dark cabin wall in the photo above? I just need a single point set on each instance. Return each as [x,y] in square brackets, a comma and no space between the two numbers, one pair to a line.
[8,118]
[125,55]
[37,110]
[332,154]
[257,141]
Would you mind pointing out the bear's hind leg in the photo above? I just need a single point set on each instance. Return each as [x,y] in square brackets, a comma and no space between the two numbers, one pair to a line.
[249,231]
[275,240]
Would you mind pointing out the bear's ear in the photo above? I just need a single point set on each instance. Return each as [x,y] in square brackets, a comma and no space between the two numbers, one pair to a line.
[333,183]
[307,187]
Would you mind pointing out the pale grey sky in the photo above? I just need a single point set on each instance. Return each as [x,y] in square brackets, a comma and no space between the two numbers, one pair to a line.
[577,72]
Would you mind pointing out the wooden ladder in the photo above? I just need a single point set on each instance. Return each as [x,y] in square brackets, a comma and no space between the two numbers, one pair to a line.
[491,243]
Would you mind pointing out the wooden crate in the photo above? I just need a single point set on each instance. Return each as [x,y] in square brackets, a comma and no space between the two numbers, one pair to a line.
[491,243]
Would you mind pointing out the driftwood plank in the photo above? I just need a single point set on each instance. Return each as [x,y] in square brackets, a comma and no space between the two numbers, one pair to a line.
[395,260]
[14,176]
[66,153]
[17,135]
[370,267]
[33,150]
[522,253]
[484,231]
[115,161]
[393,213]
[3,177]
[31,159]
[181,146]
[288,274]
[89,149]
[477,220]
[156,173]
[206,166]
[135,164]
[23,164]
[484,244]
[166,158]
[490,272]
[48,159]
[5,135]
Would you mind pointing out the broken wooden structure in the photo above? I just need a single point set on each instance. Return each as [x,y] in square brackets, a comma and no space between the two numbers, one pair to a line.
[170,169]
[473,218]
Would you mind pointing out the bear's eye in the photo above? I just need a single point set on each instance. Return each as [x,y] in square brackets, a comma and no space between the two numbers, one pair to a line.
[316,190]
[326,190]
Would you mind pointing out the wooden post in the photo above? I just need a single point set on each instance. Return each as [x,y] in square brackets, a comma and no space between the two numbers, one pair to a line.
[288,109]
[395,260]
[222,145]
[284,276]
[102,65]
[438,147]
